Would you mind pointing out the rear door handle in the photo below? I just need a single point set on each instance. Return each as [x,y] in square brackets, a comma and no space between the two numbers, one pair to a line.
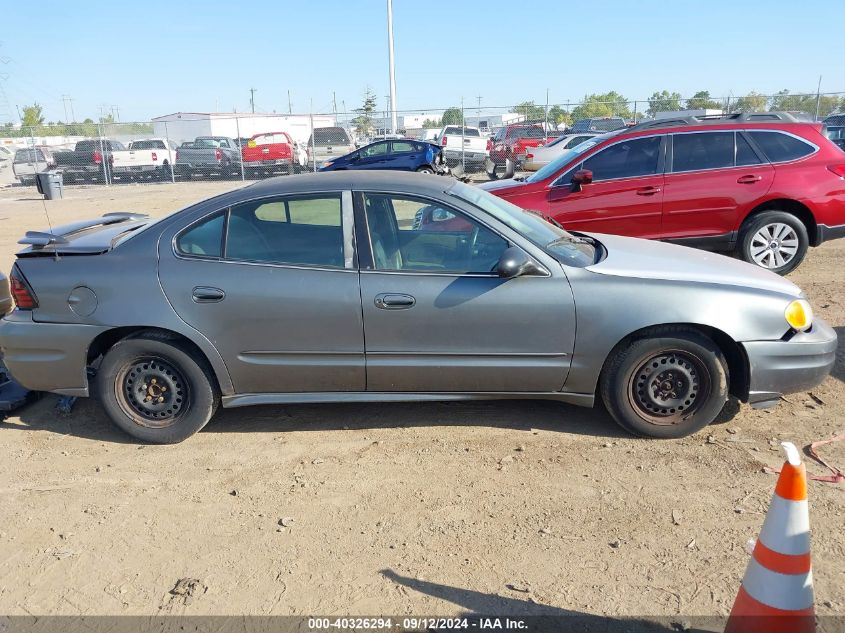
[648,191]
[749,179]
[388,301]
[207,294]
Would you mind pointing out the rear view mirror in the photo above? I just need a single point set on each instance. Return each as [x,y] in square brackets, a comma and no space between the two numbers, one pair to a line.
[515,262]
[580,178]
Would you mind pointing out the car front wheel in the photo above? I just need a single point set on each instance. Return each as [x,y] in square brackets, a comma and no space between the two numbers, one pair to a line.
[667,386]
[774,240]
[425,170]
[156,388]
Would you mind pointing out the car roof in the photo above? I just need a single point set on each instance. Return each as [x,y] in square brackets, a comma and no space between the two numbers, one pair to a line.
[403,182]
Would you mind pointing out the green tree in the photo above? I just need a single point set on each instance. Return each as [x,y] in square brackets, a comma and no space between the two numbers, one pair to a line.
[364,121]
[558,115]
[32,116]
[530,111]
[429,124]
[452,116]
[109,118]
[663,101]
[784,101]
[752,102]
[701,101]
[599,105]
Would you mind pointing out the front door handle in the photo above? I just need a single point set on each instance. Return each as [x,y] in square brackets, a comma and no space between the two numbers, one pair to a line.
[749,179]
[648,191]
[207,294]
[388,301]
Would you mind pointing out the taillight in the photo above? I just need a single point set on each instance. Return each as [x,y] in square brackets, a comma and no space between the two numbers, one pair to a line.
[177,154]
[218,155]
[529,156]
[155,156]
[489,145]
[97,156]
[21,292]
[839,170]
[443,141]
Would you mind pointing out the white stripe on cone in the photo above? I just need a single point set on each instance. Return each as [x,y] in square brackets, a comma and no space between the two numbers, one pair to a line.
[786,529]
[791,592]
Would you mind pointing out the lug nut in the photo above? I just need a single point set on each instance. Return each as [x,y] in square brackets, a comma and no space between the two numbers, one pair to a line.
[153,381]
[161,399]
[143,385]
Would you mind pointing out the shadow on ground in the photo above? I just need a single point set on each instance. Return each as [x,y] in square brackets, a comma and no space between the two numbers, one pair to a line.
[88,420]
[541,617]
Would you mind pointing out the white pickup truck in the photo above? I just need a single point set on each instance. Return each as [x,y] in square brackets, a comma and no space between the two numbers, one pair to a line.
[145,157]
[464,145]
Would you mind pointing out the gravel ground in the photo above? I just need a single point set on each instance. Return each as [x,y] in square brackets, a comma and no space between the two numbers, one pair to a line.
[506,507]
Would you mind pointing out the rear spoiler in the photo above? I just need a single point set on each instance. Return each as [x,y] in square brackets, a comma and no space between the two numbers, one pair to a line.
[40,239]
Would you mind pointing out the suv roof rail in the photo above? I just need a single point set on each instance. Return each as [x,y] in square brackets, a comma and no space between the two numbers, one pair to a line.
[715,119]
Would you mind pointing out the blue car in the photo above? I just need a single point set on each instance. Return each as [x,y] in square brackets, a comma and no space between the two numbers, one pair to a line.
[395,154]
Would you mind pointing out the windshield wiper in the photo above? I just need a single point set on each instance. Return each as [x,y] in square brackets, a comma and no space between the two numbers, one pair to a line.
[547,218]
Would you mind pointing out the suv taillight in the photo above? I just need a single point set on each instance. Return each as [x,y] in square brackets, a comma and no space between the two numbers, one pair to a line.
[218,155]
[839,170]
[489,144]
[154,156]
[177,155]
[443,141]
[97,157]
[21,292]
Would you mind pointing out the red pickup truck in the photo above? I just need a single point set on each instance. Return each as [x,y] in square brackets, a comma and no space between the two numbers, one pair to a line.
[513,142]
[269,152]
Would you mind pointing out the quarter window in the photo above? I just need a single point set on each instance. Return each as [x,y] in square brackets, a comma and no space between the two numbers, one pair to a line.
[626,159]
[780,147]
[203,240]
[745,155]
[707,150]
[403,146]
[414,235]
[303,231]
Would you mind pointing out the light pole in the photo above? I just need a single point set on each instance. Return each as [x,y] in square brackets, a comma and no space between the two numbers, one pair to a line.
[392,68]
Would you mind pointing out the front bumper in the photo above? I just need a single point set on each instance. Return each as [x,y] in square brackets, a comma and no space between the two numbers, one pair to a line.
[47,356]
[779,367]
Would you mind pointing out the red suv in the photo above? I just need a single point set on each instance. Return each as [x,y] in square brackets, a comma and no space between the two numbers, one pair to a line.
[762,184]
[513,141]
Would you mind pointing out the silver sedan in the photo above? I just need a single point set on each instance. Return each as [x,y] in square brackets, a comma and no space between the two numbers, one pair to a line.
[380,286]
[538,157]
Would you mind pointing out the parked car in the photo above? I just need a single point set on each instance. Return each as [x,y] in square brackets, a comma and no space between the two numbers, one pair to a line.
[835,129]
[327,143]
[404,155]
[464,145]
[761,185]
[512,142]
[29,162]
[89,160]
[150,157]
[271,152]
[321,288]
[597,124]
[541,156]
[207,155]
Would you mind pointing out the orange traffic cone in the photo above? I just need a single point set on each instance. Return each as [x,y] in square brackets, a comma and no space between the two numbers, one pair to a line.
[776,595]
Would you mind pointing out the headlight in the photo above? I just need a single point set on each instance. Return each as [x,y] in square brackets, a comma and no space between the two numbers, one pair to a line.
[799,315]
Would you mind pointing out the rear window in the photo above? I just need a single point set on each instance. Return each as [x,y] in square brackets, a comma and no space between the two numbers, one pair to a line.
[147,145]
[330,136]
[779,147]
[28,155]
[527,132]
[90,146]
[468,131]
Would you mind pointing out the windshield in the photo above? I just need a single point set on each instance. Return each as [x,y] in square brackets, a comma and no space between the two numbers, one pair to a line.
[553,167]
[562,245]
[532,131]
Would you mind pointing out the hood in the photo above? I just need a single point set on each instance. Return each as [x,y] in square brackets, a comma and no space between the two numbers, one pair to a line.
[646,259]
[500,185]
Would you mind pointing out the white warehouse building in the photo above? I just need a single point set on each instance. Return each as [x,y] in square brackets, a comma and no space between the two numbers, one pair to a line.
[186,126]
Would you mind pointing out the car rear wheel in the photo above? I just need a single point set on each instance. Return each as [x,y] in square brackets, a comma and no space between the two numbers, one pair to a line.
[156,389]
[774,240]
[669,385]
[425,170]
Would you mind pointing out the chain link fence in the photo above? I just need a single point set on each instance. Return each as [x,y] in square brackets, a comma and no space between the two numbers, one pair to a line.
[192,146]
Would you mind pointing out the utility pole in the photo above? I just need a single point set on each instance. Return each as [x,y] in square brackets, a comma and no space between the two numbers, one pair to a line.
[479,106]
[290,107]
[64,104]
[252,99]
[818,97]
[115,113]
[392,65]
[65,100]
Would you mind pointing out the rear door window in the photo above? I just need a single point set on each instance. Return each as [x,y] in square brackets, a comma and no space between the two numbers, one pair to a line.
[780,147]
[704,150]
[626,159]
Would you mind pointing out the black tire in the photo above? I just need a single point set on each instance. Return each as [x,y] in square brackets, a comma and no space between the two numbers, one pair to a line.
[164,172]
[139,370]
[425,169]
[641,377]
[787,237]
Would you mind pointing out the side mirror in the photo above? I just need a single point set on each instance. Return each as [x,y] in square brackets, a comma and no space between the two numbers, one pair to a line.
[515,262]
[580,178]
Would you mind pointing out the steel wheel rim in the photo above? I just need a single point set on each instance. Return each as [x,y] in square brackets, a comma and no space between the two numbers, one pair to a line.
[774,245]
[153,392]
[669,387]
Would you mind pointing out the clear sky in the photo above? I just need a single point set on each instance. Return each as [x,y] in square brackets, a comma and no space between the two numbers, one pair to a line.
[156,57]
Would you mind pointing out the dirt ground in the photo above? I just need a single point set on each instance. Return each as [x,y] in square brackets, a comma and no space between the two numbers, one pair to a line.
[435,509]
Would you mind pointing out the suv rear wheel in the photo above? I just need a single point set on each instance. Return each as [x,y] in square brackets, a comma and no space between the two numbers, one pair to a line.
[774,240]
